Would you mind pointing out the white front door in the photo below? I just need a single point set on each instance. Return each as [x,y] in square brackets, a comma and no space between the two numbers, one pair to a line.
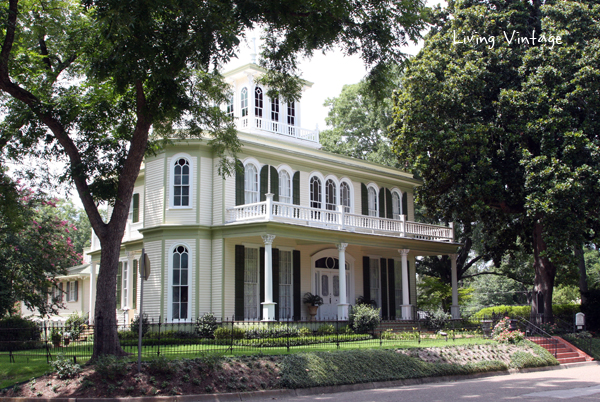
[329,290]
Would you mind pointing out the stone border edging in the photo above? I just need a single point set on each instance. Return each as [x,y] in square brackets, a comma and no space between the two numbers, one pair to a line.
[277,393]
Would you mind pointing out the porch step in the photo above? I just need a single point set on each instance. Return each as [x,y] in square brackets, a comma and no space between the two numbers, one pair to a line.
[565,351]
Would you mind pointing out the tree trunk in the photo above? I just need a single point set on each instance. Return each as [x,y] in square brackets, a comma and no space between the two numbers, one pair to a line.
[106,340]
[543,284]
[583,285]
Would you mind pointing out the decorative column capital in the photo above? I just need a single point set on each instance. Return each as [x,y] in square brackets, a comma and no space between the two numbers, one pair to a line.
[342,246]
[404,251]
[268,239]
[453,257]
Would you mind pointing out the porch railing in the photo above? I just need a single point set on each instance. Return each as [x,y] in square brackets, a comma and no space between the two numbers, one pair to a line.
[270,210]
[250,123]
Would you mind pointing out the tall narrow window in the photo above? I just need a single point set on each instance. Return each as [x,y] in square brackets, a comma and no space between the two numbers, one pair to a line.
[345,196]
[258,102]
[330,195]
[244,102]
[285,187]
[72,291]
[119,283]
[134,208]
[275,112]
[251,284]
[230,106]
[396,205]
[285,285]
[291,117]
[181,183]
[315,192]
[372,202]
[180,289]
[250,184]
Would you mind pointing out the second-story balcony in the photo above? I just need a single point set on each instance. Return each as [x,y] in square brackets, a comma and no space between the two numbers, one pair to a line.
[258,124]
[270,210]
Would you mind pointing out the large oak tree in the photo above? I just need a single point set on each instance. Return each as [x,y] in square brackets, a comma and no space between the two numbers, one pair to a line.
[88,82]
[507,131]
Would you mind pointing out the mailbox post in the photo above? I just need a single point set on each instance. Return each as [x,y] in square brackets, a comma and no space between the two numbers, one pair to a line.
[579,321]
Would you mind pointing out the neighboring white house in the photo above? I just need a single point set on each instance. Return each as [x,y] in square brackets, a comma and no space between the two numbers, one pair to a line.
[294,219]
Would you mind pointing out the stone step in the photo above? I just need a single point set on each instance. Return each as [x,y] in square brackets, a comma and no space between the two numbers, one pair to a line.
[572,360]
[566,355]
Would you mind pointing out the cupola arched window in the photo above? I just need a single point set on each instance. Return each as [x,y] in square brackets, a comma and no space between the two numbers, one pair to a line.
[244,102]
[373,211]
[315,192]
[345,199]
[258,102]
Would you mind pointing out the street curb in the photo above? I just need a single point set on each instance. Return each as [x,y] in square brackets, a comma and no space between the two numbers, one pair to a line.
[280,393]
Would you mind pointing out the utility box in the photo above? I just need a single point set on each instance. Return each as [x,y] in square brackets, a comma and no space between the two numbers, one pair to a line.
[580,321]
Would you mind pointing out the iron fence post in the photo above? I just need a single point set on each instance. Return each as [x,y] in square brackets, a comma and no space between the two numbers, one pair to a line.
[46,343]
[159,325]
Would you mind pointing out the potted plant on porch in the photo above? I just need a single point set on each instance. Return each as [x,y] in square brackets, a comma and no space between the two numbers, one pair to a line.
[313,301]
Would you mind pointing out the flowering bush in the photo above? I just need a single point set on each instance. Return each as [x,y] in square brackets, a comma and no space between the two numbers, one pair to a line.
[502,332]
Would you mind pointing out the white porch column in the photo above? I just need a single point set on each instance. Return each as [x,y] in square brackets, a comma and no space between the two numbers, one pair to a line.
[343,305]
[454,309]
[92,291]
[268,305]
[406,307]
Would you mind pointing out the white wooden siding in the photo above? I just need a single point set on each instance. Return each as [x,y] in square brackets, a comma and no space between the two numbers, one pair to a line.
[205,191]
[217,195]
[217,277]
[229,280]
[152,287]
[205,282]
[229,192]
[154,194]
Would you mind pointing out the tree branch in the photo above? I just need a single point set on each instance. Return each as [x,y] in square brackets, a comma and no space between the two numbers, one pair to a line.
[44,52]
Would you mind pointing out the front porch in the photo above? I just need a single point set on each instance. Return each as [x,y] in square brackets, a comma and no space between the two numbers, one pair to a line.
[271,265]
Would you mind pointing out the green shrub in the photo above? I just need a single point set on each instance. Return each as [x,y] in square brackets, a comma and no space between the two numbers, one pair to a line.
[345,330]
[270,331]
[326,329]
[135,325]
[592,310]
[19,333]
[564,312]
[161,366]
[502,333]
[65,367]
[75,325]
[206,325]
[364,318]
[436,320]
[304,331]
[225,333]
[112,367]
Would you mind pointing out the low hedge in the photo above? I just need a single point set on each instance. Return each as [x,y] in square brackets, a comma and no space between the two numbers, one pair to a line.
[562,311]
[540,358]
[317,369]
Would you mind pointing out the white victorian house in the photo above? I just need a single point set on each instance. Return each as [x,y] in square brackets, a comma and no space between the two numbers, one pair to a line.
[294,219]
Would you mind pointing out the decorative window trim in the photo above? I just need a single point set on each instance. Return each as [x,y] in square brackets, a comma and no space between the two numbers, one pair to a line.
[399,193]
[377,201]
[350,195]
[290,173]
[172,181]
[336,200]
[190,285]
[244,102]
[258,166]
[259,105]
[322,198]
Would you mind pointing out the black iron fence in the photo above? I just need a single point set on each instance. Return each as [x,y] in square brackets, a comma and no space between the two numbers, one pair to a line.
[202,336]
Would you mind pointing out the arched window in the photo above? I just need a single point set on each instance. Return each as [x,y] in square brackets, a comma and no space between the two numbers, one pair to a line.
[330,195]
[250,184]
[396,204]
[345,196]
[315,192]
[180,284]
[258,102]
[373,202]
[285,187]
[181,183]
[244,102]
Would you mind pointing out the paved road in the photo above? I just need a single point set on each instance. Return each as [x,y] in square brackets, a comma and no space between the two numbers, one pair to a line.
[573,384]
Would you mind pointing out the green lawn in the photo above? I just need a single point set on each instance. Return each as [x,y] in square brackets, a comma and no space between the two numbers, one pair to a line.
[30,364]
